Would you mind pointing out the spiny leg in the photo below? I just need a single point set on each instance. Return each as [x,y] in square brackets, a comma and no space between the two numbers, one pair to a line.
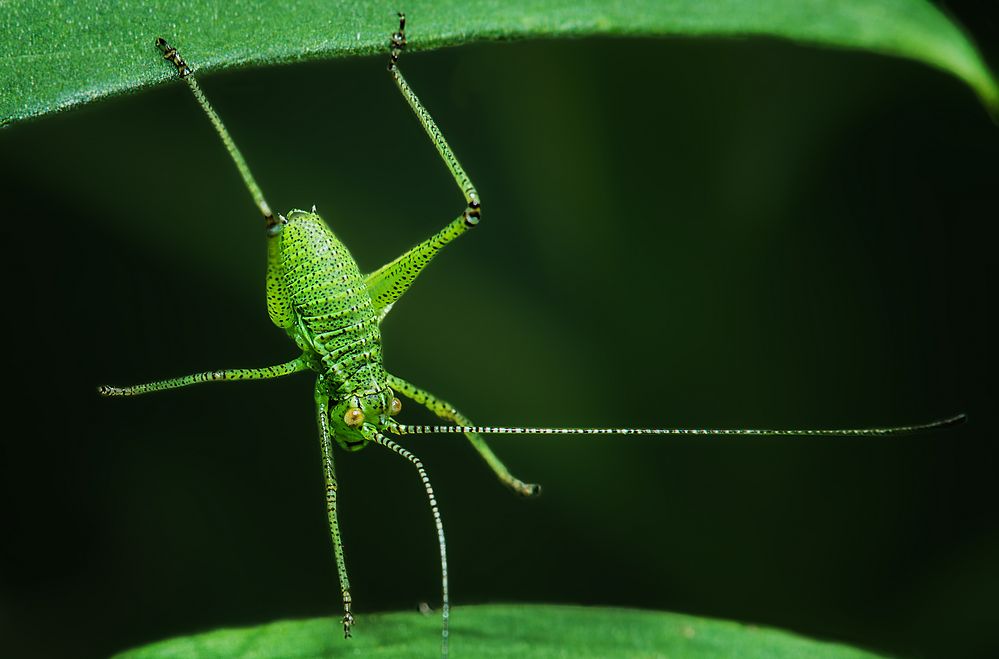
[326,443]
[445,602]
[266,373]
[447,411]
[390,281]
[171,55]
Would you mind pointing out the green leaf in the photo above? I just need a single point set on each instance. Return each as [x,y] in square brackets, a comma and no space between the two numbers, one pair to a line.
[522,631]
[57,55]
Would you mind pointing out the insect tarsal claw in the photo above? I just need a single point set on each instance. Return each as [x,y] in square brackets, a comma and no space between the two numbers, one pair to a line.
[398,41]
[528,490]
[348,622]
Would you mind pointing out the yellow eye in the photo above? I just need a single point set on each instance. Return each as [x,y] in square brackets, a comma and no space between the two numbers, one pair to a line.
[395,406]
[354,417]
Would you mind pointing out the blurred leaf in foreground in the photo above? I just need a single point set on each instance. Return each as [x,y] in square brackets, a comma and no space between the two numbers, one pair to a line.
[499,631]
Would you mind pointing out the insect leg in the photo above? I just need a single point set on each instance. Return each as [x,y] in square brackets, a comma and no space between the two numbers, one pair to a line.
[445,603]
[171,55]
[326,443]
[447,411]
[391,281]
[398,43]
[388,283]
[266,373]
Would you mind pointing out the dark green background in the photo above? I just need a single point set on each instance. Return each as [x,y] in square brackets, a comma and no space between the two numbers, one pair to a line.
[676,233]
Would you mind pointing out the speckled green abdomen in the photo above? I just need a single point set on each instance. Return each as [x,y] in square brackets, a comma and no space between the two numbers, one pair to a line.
[315,291]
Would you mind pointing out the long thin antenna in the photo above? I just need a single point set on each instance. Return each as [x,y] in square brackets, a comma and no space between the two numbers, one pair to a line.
[171,55]
[445,605]
[407,429]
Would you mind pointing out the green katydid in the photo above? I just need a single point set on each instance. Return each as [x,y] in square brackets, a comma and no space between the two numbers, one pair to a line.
[317,294]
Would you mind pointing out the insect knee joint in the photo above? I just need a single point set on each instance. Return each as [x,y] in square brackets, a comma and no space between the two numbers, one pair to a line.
[472,213]
[274,226]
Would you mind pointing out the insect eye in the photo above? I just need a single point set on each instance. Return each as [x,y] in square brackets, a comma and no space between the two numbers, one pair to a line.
[395,406]
[354,417]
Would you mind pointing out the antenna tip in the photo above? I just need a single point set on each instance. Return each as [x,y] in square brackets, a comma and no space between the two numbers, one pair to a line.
[955,420]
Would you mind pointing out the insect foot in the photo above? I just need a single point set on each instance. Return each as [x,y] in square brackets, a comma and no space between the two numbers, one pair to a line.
[398,42]
[348,622]
[170,54]
[527,490]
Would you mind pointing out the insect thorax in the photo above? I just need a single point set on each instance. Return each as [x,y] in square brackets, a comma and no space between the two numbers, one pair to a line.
[316,293]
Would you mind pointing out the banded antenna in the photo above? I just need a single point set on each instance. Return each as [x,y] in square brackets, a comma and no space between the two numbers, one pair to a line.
[445,602]
[409,429]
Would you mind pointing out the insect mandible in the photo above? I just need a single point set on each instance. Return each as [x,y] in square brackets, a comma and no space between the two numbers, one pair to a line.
[317,294]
